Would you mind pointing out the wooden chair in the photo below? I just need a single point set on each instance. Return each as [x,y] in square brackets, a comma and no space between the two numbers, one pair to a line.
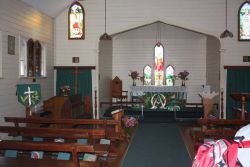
[117,92]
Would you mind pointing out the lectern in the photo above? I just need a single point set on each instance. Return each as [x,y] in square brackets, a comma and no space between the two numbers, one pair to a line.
[243,97]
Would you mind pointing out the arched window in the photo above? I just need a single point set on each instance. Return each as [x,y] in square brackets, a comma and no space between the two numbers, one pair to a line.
[147,75]
[30,58]
[170,75]
[158,64]
[32,61]
[244,21]
[76,24]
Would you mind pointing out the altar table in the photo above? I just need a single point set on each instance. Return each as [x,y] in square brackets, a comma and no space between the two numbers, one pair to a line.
[178,93]
[140,90]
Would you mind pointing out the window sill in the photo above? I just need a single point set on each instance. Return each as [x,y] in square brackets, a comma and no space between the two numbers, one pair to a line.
[21,77]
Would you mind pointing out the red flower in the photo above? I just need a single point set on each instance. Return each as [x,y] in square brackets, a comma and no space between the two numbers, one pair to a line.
[134,75]
[183,75]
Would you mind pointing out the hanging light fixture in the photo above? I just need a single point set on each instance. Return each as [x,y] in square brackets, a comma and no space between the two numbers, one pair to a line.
[105,36]
[226,33]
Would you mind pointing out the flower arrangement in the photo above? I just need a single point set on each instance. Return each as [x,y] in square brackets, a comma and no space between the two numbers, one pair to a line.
[65,89]
[129,122]
[134,75]
[183,76]
[207,99]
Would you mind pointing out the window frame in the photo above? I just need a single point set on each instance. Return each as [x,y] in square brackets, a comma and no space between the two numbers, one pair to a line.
[24,58]
[1,55]
[83,20]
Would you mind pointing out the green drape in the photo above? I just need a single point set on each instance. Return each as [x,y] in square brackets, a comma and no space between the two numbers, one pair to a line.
[238,80]
[65,76]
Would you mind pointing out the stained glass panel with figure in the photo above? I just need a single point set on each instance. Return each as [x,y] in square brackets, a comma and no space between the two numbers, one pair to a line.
[244,21]
[170,76]
[158,64]
[76,21]
[147,75]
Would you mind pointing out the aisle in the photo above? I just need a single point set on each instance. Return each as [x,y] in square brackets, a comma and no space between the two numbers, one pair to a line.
[158,145]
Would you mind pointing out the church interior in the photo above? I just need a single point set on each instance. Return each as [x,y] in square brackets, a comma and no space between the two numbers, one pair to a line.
[112,83]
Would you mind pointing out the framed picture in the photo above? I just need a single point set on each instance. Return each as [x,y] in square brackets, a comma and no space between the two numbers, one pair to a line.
[11,45]
[75,59]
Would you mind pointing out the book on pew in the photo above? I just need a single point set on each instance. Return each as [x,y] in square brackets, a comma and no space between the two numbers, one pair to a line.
[89,157]
[37,154]
[105,141]
[59,140]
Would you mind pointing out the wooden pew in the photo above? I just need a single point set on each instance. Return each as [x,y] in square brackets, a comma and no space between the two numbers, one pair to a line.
[117,133]
[215,129]
[91,134]
[74,149]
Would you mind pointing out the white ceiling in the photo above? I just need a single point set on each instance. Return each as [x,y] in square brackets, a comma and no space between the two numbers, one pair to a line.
[49,7]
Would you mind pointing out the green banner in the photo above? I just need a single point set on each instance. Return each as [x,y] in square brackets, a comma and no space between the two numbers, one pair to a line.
[28,95]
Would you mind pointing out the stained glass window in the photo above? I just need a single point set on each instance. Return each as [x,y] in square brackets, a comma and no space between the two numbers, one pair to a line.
[34,60]
[244,21]
[170,76]
[158,65]
[76,21]
[147,75]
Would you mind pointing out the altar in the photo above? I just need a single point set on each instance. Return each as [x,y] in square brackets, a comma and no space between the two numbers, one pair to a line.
[163,97]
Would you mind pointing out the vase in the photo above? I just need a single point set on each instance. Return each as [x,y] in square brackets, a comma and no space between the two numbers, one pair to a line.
[183,83]
[134,83]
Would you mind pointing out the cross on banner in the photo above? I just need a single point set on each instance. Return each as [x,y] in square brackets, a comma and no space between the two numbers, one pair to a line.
[29,94]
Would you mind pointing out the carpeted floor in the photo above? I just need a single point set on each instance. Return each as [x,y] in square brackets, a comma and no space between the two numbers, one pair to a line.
[157,145]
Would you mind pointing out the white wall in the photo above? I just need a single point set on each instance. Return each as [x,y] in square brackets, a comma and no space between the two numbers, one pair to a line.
[206,16]
[183,49]
[105,70]
[17,18]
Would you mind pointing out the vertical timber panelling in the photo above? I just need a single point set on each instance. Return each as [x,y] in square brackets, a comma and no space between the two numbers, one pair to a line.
[183,49]
[18,19]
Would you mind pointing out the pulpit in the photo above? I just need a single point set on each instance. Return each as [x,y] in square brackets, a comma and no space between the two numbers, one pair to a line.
[243,97]
[63,106]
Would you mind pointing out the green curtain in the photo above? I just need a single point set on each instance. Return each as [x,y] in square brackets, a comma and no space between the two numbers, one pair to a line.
[238,80]
[65,76]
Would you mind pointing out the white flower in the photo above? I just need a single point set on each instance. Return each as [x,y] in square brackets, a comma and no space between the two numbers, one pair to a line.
[208,95]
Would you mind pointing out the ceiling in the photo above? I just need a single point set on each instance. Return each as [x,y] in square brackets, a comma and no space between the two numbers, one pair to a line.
[49,7]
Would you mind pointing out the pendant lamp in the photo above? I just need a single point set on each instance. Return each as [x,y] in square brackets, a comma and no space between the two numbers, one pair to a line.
[105,36]
[226,33]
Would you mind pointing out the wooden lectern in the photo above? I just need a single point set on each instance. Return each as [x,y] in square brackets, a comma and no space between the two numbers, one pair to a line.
[243,97]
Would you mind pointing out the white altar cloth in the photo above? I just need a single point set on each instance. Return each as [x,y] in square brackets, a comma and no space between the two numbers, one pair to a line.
[140,90]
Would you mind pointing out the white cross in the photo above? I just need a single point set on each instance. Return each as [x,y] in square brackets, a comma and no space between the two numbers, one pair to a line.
[29,94]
